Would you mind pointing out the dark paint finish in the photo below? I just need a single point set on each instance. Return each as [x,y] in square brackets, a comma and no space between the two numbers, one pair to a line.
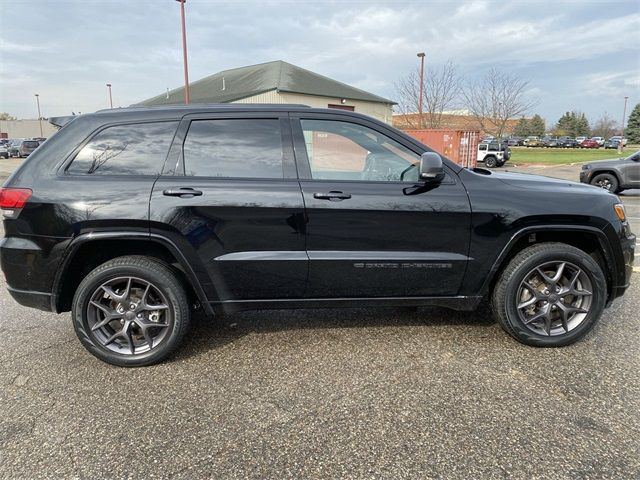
[270,243]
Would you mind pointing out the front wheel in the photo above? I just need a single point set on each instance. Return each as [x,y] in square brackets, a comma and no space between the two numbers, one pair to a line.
[549,295]
[607,181]
[131,311]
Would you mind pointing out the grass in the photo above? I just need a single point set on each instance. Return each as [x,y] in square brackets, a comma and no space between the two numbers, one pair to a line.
[559,156]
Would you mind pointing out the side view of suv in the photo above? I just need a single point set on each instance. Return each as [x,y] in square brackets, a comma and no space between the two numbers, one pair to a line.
[130,218]
[613,175]
[493,154]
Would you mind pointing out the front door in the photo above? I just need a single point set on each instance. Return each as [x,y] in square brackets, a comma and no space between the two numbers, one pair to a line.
[234,203]
[374,230]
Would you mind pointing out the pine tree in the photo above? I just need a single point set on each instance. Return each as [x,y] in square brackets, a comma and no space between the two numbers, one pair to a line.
[632,132]
[566,125]
[522,128]
[537,126]
[581,125]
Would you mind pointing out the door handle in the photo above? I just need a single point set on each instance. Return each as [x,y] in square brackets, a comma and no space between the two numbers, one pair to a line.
[332,196]
[184,192]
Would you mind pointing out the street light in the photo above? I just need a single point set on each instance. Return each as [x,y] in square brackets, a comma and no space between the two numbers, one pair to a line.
[110,97]
[421,57]
[39,115]
[624,115]
[184,52]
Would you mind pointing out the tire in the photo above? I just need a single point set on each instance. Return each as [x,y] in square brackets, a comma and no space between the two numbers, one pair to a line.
[490,162]
[581,317]
[146,334]
[607,181]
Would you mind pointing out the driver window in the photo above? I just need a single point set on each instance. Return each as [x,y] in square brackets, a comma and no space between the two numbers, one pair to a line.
[347,151]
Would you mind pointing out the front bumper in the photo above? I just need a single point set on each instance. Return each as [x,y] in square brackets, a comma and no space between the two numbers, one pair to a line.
[585,176]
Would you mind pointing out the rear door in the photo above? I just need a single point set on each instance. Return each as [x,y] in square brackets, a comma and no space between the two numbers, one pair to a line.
[232,200]
[373,229]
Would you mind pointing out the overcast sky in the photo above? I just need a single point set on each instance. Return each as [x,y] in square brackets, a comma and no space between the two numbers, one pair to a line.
[580,55]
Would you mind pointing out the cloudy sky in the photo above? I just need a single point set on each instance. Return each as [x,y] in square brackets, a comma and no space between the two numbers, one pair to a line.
[582,55]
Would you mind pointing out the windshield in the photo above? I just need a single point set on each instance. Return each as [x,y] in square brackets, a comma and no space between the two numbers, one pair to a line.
[30,144]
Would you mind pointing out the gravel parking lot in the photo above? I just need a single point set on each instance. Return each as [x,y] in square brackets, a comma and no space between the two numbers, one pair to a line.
[368,393]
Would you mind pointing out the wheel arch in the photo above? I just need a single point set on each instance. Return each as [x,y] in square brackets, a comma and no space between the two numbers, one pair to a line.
[606,170]
[87,251]
[591,240]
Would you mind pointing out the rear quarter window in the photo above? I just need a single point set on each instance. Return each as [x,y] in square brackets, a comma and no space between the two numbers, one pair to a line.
[133,149]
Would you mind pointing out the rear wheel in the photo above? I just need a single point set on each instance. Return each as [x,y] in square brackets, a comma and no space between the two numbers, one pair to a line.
[490,162]
[131,311]
[549,295]
[606,181]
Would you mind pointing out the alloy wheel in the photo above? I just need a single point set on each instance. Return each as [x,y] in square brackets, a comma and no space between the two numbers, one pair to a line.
[129,315]
[604,183]
[554,298]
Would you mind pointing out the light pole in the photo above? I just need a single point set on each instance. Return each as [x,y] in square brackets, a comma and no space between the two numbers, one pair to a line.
[421,57]
[184,52]
[624,114]
[39,115]
[110,97]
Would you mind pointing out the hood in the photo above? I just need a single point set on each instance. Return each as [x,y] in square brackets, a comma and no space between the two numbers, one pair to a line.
[540,182]
[605,163]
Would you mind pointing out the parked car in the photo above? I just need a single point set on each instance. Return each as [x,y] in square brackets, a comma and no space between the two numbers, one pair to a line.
[600,140]
[619,138]
[25,148]
[550,142]
[589,143]
[533,141]
[612,143]
[493,154]
[613,175]
[4,150]
[567,142]
[14,147]
[579,140]
[231,207]
[514,141]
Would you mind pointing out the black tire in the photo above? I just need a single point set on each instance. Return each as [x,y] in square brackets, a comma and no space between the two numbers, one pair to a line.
[175,317]
[490,162]
[504,299]
[607,181]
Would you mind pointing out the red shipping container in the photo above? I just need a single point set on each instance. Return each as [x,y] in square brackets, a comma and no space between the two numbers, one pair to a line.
[460,146]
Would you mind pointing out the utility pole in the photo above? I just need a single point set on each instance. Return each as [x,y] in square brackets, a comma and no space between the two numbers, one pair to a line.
[39,115]
[184,52]
[624,115]
[421,57]
[110,97]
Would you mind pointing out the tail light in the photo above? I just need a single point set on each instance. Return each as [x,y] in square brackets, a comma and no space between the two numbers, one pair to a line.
[12,200]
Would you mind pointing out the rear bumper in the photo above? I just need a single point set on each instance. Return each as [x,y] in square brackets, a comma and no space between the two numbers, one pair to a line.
[32,299]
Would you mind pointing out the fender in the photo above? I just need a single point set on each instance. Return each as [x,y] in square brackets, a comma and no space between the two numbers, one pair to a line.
[602,239]
[195,278]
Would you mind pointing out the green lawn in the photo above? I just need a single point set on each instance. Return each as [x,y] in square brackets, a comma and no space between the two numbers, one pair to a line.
[557,156]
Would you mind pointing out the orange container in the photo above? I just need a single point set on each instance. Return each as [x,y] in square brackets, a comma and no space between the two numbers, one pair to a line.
[460,146]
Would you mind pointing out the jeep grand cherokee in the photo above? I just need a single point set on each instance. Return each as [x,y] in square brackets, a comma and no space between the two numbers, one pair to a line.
[129,218]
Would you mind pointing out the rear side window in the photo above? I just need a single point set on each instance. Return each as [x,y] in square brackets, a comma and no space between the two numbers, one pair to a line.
[136,149]
[30,144]
[234,148]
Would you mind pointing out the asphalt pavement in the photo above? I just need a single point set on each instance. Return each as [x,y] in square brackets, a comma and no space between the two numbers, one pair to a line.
[363,393]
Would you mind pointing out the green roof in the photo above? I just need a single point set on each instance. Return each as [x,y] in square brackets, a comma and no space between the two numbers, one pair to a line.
[238,83]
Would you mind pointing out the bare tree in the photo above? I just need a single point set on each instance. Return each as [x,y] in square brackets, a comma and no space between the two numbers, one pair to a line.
[496,99]
[442,88]
[604,127]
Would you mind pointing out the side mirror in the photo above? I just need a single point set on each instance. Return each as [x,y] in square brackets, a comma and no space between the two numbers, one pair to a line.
[431,169]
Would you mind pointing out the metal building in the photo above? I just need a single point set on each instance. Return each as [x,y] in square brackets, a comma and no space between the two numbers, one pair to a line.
[278,82]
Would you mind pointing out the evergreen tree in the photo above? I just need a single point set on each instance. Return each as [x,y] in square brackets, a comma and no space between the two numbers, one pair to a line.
[537,126]
[632,131]
[566,125]
[522,128]
[581,125]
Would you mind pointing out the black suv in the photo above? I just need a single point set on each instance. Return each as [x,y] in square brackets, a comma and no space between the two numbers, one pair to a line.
[131,218]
